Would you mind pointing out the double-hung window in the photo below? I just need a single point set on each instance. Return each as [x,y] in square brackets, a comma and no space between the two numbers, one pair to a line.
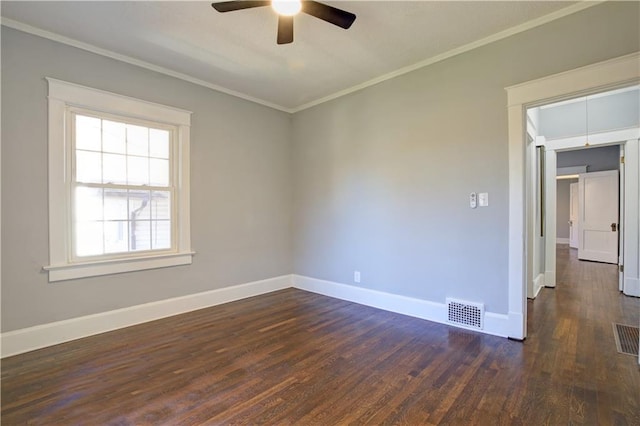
[118,183]
[121,187]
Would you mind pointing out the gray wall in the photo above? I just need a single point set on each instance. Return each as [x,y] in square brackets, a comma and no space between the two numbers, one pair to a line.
[613,112]
[563,202]
[241,186]
[376,181]
[596,159]
[382,176]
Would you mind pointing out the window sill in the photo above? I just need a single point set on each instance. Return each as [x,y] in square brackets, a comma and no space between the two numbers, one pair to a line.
[73,271]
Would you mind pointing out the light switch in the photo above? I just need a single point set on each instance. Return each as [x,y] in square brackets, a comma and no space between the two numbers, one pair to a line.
[483,199]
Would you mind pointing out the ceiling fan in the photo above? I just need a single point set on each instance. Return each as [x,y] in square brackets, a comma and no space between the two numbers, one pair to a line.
[287,9]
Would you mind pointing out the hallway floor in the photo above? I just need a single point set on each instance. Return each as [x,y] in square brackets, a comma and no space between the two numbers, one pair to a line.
[571,335]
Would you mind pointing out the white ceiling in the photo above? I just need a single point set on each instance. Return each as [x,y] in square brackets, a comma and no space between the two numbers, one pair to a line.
[237,53]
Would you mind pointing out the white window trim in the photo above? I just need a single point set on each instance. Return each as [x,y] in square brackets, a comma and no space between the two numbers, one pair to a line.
[64,95]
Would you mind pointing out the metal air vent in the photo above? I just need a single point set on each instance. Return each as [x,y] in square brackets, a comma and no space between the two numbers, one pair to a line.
[465,314]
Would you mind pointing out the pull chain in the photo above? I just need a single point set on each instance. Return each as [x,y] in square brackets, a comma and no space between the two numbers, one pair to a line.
[586,113]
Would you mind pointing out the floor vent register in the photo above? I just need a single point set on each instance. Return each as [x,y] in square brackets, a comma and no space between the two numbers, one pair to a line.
[465,314]
[627,338]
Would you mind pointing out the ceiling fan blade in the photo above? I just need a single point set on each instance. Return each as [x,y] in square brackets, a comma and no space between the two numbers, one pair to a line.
[230,6]
[285,29]
[335,16]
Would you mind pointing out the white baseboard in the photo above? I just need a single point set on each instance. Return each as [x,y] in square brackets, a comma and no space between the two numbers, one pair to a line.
[538,283]
[516,324]
[562,241]
[496,324]
[550,278]
[28,339]
[632,287]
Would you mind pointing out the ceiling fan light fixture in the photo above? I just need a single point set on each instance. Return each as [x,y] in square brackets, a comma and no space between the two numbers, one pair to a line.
[287,7]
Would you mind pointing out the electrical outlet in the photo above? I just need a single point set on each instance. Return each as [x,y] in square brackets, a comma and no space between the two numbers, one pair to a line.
[473,200]
[356,276]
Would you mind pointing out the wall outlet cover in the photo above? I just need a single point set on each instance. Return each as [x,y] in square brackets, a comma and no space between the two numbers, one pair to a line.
[483,199]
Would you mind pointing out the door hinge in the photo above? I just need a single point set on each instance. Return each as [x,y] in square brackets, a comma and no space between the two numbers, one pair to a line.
[621,268]
[622,160]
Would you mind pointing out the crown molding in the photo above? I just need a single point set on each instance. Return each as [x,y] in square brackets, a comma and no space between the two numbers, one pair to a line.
[10,23]
[16,25]
[582,5]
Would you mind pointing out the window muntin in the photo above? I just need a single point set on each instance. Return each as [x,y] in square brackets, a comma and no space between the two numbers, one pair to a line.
[122,186]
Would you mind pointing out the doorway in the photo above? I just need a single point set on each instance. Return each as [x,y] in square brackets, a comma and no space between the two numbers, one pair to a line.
[628,258]
[584,137]
[588,203]
[616,73]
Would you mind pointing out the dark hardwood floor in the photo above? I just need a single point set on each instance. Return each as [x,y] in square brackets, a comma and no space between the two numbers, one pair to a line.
[297,358]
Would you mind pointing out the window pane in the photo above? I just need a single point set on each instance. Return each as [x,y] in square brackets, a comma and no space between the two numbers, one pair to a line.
[116,204]
[139,208]
[88,204]
[161,205]
[138,170]
[141,239]
[88,133]
[88,167]
[159,172]
[113,137]
[112,220]
[161,234]
[114,168]
[137,140]
[89,238]
[116,236]
[159,143]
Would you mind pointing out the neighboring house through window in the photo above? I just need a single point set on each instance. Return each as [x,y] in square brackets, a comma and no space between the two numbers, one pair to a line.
[118,183]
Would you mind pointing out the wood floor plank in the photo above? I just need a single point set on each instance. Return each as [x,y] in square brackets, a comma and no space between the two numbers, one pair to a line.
[298,358]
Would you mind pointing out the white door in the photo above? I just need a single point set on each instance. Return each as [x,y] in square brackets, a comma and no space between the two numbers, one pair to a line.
[598,200]
[574,223]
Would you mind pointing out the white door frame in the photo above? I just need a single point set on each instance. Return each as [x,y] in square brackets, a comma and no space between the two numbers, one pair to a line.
[614,73]
[631,239]
[574,226]
[622,219]
[628,137]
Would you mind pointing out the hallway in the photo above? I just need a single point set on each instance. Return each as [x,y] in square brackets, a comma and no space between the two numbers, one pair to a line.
[570,333]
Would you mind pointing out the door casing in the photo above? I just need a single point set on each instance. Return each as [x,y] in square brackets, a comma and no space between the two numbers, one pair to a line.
[629,140]
[574,221]
[599,77]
